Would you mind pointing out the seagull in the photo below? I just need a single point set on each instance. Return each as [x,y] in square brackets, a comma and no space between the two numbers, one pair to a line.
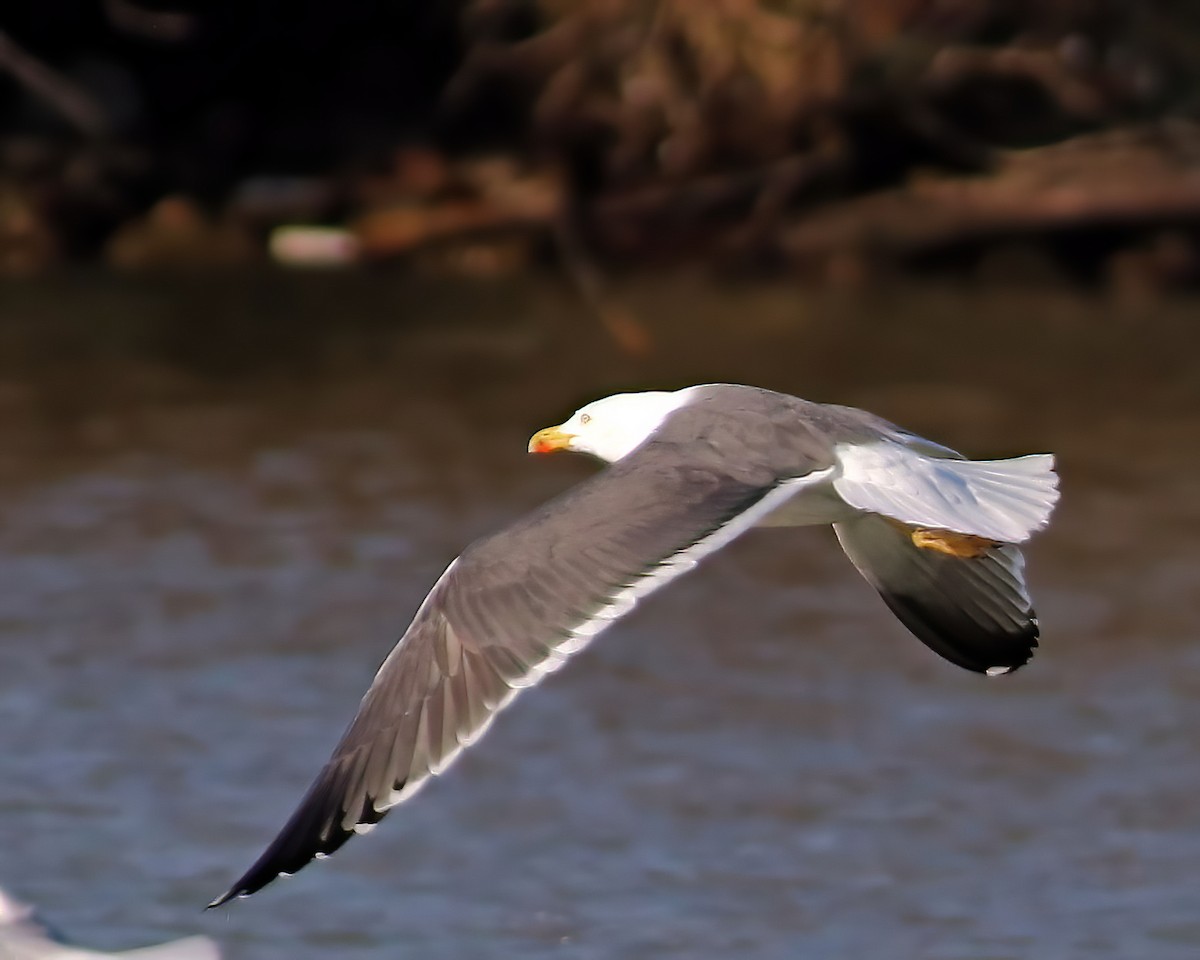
[690,470]
[24,937]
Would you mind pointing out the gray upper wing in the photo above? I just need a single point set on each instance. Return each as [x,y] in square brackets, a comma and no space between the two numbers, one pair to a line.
[511,608]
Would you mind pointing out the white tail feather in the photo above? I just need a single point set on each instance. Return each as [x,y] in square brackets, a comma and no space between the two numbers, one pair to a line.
[1003,500]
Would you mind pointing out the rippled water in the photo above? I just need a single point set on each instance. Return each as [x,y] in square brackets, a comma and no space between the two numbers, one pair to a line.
[221,502]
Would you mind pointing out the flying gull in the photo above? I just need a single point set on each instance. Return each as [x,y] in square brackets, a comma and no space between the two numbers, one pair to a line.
[692,469]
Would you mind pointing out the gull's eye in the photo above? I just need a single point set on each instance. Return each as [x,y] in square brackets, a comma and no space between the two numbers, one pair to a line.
[585,419]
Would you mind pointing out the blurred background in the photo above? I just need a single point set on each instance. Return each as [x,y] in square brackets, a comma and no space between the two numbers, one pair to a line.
[285,288]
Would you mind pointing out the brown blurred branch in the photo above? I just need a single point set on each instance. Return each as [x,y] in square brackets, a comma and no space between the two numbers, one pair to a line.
[46,83]
[701,196]
[165,26]
[1075,94]
[626,330]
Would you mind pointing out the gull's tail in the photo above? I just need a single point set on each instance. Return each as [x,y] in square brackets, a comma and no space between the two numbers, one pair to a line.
[1001,500]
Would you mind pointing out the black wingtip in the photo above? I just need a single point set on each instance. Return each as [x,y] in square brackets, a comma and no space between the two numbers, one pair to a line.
[253,881]
[266,869]
[965,642]
[223,899]
[313,831]
[257,877]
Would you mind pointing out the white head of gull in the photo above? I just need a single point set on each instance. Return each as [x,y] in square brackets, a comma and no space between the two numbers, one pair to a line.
[935,534]
[611,428]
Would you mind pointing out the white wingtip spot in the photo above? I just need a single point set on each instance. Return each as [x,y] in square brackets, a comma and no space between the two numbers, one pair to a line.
[998,671]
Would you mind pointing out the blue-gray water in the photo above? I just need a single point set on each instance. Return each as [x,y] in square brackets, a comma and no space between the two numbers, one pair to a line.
[221,502]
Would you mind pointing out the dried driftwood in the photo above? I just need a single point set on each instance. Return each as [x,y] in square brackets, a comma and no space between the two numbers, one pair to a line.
[1141,177]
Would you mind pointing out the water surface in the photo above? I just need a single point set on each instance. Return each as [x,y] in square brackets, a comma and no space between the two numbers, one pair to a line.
[220,503]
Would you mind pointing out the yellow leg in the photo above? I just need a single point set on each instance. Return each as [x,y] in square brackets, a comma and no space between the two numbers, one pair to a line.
[962,545]
[951,543]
